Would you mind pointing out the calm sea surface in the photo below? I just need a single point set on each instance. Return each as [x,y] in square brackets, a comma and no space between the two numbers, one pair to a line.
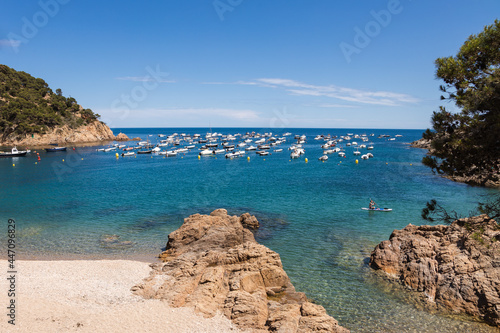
[88,204]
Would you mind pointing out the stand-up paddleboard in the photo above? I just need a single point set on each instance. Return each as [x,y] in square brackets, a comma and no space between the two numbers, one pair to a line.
[378,209]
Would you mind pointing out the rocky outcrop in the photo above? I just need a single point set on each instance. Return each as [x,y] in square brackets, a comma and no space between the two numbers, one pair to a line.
[93,132]
[456,267]
[214,264]
[421,143]
[121,137]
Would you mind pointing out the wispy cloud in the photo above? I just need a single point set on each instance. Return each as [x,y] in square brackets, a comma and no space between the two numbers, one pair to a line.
[340,106]
[143,79]
[236,114]
[10,43]
[332,91]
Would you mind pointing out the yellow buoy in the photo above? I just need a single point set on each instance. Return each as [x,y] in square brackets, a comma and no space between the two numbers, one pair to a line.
[13,165]
[248,158]
[63,159]
[82,158]
[199,156]
[356,161]
[306,160]
[116,154]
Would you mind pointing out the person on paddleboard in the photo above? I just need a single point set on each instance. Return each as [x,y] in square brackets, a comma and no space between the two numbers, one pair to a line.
[372,204]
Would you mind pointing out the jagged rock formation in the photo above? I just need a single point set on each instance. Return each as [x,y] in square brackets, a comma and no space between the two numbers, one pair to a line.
[214,264]
[421,143]
[456,267]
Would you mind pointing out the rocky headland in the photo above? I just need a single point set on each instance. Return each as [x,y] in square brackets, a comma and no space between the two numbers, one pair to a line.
[213,264]
[455,267]
[96,131]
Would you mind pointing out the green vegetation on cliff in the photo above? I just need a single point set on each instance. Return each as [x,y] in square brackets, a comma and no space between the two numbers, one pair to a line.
[467,143]
[28,106]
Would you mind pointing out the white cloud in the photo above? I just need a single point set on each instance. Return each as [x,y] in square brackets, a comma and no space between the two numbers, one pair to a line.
[342,106]
[342,93]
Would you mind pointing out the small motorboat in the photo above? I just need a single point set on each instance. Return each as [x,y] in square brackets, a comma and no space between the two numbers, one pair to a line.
[206,152]
[144,152]
[323,158]
[51,150]
[262,153]
[171,153]
[129,153]
[14,153]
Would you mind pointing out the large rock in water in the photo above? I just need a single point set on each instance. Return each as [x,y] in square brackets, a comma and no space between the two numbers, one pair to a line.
[214,264]
[456,267]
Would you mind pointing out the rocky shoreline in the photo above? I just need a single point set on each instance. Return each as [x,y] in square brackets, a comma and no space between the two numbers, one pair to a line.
[454,267]
[96,131]
[213,264]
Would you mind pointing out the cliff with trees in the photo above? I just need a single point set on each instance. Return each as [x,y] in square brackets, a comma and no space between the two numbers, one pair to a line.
[32,114]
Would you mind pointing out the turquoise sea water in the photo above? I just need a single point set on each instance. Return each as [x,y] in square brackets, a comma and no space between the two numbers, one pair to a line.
[310,212]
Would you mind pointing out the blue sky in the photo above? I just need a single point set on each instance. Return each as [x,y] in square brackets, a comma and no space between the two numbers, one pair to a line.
[243,63]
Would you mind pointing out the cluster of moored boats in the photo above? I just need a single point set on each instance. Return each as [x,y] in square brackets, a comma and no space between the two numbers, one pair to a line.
[238,145]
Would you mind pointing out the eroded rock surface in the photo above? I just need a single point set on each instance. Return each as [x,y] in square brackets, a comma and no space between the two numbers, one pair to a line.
[214,264]
[455,266]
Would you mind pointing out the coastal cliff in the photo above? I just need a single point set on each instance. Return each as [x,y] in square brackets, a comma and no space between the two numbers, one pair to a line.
[93,132]
[213,263]
[455,267]
[32,114]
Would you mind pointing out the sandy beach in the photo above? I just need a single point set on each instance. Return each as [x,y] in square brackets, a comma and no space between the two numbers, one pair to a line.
[92,296]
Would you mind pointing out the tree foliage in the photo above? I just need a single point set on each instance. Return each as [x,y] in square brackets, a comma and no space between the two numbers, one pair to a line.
[28,105]
[467,142]
[435,212]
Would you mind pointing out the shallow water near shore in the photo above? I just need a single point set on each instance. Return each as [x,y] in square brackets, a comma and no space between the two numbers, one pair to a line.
[94,205]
